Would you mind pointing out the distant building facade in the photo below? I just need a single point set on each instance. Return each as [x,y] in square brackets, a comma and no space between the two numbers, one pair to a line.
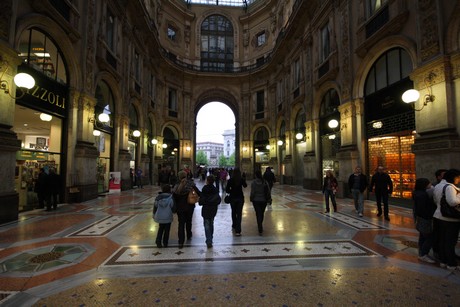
[229,142]
[212,151]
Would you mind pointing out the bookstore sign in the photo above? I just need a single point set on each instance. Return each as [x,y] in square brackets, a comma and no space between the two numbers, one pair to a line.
[47,95]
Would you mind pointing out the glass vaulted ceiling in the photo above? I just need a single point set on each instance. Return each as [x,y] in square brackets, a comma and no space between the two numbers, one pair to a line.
[243,3]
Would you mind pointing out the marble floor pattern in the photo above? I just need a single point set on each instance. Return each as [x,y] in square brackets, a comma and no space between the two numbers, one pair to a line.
[103,253]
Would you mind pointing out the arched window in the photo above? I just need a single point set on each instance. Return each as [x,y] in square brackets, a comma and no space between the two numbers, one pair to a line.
[392,66]
[216,44]
[105,103]
[39,51]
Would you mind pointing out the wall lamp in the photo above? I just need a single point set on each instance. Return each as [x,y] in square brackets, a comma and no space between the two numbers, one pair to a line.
[154,141]
[101,118]
[412,95]
[136,133]
[299,136]
[280,142]
[333,123]
[22,80]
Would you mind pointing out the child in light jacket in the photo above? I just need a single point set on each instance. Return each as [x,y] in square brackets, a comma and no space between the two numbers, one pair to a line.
[163,210]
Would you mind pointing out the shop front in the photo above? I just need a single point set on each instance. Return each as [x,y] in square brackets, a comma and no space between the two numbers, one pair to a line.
[39,122]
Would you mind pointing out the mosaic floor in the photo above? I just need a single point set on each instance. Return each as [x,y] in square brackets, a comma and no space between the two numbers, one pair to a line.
[103,253]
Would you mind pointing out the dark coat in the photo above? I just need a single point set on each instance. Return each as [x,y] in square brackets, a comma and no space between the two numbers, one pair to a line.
[382,183]
[180,196]
[209,199]
[333,182]
[236,190]
[424,206]
[362,182]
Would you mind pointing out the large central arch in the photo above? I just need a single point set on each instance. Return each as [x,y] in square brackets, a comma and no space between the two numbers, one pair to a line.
[230,101]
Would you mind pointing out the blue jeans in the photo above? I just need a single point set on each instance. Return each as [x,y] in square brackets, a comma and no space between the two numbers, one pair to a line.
[327,194]
[358,197]
[208,229]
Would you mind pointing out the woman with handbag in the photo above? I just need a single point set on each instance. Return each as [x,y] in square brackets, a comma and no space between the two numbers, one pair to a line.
[446,192]
[235,186]
[329,190]
[184,209]
[424,207]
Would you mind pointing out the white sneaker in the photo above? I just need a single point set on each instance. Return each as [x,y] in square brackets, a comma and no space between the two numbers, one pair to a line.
[452,268]
[426,258]
[360,215]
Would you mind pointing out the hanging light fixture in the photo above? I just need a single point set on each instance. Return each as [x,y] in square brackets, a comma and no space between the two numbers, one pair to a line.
[45,117]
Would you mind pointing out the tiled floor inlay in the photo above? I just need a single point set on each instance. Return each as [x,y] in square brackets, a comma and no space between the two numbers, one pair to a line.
[43,259]
[225,252]
[102,227]
[354,222]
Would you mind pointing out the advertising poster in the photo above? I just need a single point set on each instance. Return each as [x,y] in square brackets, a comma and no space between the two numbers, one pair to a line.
[115,182]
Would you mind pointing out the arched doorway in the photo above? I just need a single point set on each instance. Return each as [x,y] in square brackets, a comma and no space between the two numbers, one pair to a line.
[329,130]
[261,147]
[171,146]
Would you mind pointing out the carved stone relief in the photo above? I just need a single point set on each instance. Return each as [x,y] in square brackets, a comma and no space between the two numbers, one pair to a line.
[429,32]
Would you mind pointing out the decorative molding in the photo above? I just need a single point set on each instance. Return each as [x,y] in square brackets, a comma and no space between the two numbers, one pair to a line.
[429,30]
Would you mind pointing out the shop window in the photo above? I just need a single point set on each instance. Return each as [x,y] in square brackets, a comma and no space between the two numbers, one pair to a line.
[394,153]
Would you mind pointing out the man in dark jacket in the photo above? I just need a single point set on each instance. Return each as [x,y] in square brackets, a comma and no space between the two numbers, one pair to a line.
[357,183]
[383,188]
[209,199]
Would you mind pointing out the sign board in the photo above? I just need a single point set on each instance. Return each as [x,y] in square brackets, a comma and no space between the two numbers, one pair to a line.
[114,182]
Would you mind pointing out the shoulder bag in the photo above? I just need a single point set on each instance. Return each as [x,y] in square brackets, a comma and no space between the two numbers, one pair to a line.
[446,209]
[192,197]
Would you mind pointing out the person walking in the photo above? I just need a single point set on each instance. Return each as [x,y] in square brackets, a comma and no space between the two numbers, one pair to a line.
[329,189]
[139,178]
[383,186]
[357,183]
[260,197]
[163,209]
[269,177]
[209,200]
[184,209]
[54,181]
[40,188]
[424,207]
[235,186]
[448,227]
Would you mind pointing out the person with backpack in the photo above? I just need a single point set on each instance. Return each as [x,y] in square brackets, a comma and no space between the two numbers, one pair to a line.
[209,200]
[234,188]
[163,209]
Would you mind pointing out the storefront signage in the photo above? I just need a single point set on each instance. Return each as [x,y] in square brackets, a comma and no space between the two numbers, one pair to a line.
[31,155]
[48,96]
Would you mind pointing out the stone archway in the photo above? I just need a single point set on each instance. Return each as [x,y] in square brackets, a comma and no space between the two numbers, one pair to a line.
[216,95]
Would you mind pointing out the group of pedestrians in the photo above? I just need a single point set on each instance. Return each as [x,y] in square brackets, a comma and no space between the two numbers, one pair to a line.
[438,230]
[175,200]
[48,187]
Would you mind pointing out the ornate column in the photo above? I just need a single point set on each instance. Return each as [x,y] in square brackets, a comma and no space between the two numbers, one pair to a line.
[84,168]
[185,152]
[9,143]
[311,163]
[124,157]
[288,176]
[246,149]
[437,143]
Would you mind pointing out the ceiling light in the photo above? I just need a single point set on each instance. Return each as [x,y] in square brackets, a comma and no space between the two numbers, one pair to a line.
[45,117]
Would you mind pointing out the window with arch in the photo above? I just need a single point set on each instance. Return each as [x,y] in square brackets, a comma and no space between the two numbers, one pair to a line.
[40,52]
[105,103]
[391,67]
[330,103]
[217,44]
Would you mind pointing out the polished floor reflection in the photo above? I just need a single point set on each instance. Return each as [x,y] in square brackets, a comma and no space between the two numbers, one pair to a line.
[103,252]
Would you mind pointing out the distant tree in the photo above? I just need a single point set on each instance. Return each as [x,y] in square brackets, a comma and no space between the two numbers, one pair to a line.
[222,161]
[231,160]
[201,158]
